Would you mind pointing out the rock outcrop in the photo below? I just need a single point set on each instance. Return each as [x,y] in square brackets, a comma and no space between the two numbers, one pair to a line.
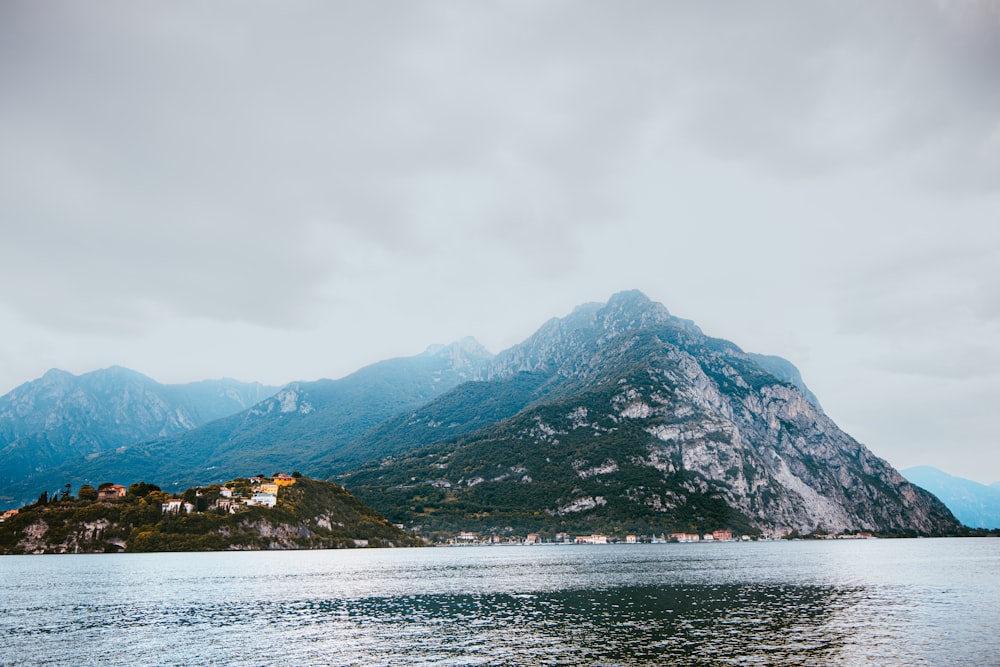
[668,427]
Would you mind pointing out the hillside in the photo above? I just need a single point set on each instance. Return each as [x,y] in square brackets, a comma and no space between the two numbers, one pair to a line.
[299,425]
[618,416]
[470,406]
[308,514]
[648,425]
[62,418]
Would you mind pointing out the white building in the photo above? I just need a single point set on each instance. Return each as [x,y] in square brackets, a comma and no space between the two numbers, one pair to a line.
[263,499]
[173,506]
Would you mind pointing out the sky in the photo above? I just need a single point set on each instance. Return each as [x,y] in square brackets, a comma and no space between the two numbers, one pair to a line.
[280,191]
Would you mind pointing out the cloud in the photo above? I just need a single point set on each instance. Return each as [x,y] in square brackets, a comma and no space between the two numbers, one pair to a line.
[786,174]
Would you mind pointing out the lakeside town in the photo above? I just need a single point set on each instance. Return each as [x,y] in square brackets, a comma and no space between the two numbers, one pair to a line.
[471,538]
[231,497]
[239,494]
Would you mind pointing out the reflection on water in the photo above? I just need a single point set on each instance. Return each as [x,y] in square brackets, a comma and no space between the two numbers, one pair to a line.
[635,625]
[774,625]
[894,604]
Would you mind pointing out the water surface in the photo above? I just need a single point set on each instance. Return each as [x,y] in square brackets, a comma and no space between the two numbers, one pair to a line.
[879,602]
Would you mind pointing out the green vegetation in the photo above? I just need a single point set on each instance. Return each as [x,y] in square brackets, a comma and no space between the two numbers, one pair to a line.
[309,514]
[616,419]
[62,418]
[468,407]
[303,426]
[539,473]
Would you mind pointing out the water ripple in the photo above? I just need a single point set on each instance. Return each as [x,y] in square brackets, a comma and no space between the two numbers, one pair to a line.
[769,605]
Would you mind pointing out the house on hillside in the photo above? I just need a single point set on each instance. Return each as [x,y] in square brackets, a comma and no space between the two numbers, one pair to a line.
[263,499]
[112,492]
[230,505]
[8,514]
[281,479]
[176,506]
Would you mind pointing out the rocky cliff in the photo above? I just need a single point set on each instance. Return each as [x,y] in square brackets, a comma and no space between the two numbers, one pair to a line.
[642,420]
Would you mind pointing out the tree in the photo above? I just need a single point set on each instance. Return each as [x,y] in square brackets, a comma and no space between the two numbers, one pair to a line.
[65,493]
[87,492]
[142,489]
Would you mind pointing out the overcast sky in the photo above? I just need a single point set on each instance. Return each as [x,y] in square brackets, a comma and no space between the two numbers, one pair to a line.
[292,190]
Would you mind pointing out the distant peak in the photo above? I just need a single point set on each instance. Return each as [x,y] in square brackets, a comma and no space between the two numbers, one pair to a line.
[467,346]
[117,371]
[629,297]
[785,371]
[631,309]
[56,377]
[634,301]
[470,344]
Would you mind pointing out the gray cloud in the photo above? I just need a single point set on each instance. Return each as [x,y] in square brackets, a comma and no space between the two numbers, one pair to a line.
[786,174]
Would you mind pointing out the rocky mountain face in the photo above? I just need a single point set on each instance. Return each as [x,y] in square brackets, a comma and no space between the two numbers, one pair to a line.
[294,428]
[617,417]
[974,504]
[632,417]
[61,417]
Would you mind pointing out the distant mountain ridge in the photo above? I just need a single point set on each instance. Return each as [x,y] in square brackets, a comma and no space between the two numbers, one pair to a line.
[617,416]
[61,417]
[630,416]
[295,427]
[974,504]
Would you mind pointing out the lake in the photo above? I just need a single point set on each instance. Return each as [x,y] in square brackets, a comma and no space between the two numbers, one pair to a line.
[864,602]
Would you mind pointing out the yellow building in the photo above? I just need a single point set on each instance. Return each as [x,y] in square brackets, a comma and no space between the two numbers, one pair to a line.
[281,479]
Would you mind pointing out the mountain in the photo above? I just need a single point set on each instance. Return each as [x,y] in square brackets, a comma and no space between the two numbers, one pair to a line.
[785,371]
[308,514]
[63,417]
[974,504]
[627,418]
[467,407]
[296,427]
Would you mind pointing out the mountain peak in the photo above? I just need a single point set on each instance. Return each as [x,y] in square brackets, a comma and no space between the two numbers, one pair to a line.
[467,346]
[117,372]
[632,310]
[560,342]
[974,504]
[786,371]
[621,412]
[56,376]
[629,298]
